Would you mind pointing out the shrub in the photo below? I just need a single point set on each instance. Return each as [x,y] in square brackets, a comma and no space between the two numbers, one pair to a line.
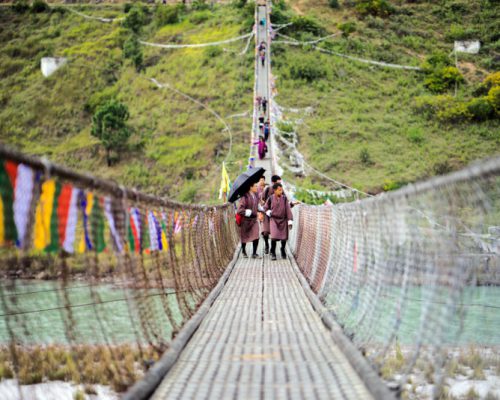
[20,6]
[437,59]
[166,15]
[347,28]
[381,8]
[364,157]
[133,51]
[459,32]
[213,51]
[135,19]
[307,68]
[306,24]
[200,5]
[415,136]
[280,17]
[199,17]
[333,3]
[494,98]
[239,3]
[127,7]
[109,126]
[100,98]
[39,6]
[444,108]
[480,108]
[442,79]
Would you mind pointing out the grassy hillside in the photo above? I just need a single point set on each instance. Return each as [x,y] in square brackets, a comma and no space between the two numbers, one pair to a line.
[177,146]
[371,126]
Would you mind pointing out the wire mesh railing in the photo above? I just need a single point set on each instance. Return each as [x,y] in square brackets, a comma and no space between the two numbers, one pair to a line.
[96,279]
[413,277]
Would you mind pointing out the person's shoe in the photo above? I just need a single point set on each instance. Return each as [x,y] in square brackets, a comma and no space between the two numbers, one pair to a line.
[244,255]
[266,250]
[273,257]
[256,256]
[283,254]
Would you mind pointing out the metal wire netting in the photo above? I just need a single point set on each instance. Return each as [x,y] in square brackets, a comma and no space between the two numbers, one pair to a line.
[97,279]
[413,277]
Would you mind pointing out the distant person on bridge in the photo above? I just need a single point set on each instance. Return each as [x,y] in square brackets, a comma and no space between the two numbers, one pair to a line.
[262,147]
[249,228]
[262,55]
[262,46]
[278,210]
[258,102]
[264,104]
[266,130]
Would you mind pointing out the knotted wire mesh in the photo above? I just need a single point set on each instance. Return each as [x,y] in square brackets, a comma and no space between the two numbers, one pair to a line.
[413,278]
[97,279]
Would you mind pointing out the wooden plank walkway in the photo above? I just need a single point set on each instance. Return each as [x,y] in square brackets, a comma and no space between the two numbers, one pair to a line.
[262,339]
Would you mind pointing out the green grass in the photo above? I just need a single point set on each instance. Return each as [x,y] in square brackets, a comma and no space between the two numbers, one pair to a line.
[177,145]
[364,109]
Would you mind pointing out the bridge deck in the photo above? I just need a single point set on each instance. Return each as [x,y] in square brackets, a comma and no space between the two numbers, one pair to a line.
[262,339]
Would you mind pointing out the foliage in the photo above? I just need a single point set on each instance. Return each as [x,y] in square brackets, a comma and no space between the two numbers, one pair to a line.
[213,52]
[167,14]
[200,5]
[307,68]
[334,3]
[442,79]
[133,51]
[39,6]
[480,108]
[347,28]
[135,19]
[494,98]
[364,157]
[381,8]
[127,7]
[20,6]
[109,126]
[302,23]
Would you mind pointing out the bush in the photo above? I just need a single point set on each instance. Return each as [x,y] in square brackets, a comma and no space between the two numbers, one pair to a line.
[437,59]
[364,157]
[381,8]
[442,79]
[415,136]
[445,108]
[199,17]
[20,6]
[280,17]
[166,15]
[135,19]
[133,51]
[333,3]
[109,126]
[200,5]
[307,68]
[127,7]
[480,108]
[39,6]
[494,98]
[213,51]
[306,24]
[459,32]
[347,28]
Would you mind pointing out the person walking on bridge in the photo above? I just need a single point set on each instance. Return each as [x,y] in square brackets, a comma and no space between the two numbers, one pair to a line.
[278,210]
[266,224]
[249,228]
[264,104]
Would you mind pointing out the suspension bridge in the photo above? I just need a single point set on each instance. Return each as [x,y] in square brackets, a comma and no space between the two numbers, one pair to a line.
[151,297]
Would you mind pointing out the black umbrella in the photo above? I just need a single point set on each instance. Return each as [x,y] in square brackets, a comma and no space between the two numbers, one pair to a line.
[243,182]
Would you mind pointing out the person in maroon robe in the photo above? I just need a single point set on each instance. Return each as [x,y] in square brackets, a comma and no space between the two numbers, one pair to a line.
[266,224]
[249,228]
[278,209]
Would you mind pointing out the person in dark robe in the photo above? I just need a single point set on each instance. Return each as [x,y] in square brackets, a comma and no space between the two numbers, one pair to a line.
[249,228]
[261,186]
[261,147]
[266,130]
[266,229]
[264,104]
[278,209]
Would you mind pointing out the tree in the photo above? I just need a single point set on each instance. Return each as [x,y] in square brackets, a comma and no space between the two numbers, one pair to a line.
[135,19]
[109,126]
[132,50]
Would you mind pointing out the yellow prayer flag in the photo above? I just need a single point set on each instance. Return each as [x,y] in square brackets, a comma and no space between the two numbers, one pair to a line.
[43,215]
[225,183]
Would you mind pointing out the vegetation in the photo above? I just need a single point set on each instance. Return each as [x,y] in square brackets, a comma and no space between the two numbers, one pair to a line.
[109,126]
[379,128]
[176,147]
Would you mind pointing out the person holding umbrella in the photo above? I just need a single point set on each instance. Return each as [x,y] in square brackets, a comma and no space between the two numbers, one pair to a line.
[245,186]
[249,228]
